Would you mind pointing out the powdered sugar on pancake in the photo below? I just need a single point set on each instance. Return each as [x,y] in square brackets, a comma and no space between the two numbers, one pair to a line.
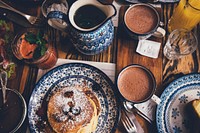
[70,107]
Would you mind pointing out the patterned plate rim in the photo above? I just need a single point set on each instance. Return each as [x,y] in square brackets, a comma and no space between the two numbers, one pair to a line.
[100,72]
[169,90]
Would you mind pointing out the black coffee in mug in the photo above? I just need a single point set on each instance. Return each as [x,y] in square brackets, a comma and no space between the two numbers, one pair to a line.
[89,16]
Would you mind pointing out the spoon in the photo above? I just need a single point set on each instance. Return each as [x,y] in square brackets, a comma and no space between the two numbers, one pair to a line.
[3,78]
[129,107]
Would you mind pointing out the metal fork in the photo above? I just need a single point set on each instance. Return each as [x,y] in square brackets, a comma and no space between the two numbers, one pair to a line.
[128,124]
[37,21]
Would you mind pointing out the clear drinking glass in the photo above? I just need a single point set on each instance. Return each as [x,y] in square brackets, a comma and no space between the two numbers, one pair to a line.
[180,42]
[185,16]
[43,61]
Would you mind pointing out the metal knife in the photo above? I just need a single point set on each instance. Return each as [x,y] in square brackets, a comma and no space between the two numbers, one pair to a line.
[14,17]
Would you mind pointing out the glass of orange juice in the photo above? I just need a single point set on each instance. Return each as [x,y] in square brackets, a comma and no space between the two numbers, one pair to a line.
[185,16]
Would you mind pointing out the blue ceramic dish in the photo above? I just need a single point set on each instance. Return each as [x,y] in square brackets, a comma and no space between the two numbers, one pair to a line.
[170,115]
[69,75]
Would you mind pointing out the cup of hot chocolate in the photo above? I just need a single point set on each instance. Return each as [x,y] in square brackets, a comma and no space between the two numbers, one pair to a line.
[142,21]
[137,85]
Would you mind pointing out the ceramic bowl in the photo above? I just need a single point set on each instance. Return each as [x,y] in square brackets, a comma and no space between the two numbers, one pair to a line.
[13,112]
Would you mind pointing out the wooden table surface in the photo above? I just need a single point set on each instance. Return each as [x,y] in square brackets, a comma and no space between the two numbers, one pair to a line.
[122,52]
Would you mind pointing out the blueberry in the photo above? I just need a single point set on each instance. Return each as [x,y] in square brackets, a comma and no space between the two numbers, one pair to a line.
[76,110]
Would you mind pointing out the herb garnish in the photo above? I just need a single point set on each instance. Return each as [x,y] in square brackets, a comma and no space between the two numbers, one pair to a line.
[39,40]
[7,34]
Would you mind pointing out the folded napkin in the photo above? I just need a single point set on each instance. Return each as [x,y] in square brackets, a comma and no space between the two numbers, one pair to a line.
[107,68]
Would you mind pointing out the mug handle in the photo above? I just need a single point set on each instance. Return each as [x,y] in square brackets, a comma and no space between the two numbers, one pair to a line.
[160,32]
[148,109]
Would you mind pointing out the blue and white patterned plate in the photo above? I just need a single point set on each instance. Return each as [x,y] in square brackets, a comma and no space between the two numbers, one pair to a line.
[170,115]
[68,75]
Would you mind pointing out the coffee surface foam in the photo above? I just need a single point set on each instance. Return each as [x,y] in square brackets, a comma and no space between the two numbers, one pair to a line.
[135,84]
[141,19]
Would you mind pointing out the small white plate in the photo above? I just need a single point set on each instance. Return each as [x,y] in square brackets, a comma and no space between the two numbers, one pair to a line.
[148,48]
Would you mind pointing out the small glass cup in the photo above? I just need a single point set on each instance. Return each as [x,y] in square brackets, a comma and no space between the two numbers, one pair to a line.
[56,13]
[180,42]
[47,60]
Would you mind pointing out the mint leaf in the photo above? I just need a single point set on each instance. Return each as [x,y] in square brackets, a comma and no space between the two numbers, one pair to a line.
[31,38]
[38,39]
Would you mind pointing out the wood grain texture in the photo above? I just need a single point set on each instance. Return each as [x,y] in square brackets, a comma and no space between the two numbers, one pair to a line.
[185,65]
[127,55]
[127,52]
[122,51]
[67,49]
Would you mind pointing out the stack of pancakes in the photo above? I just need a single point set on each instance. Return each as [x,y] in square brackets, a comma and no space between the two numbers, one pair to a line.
[73,110]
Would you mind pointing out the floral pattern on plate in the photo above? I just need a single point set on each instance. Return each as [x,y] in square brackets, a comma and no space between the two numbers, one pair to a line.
[170,115]
[73,74]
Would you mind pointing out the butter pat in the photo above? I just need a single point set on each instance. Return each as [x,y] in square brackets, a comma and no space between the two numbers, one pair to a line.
[148,48]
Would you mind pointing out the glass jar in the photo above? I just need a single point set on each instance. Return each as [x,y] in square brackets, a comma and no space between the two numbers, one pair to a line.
[29,53]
